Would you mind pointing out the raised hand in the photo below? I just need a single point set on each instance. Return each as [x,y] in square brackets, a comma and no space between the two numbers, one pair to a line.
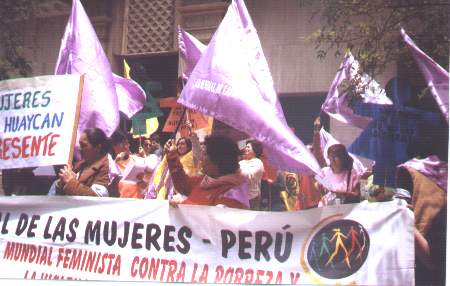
[170,147]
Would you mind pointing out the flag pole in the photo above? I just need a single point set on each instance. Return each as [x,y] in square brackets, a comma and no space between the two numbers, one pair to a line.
[179,123]
[182,115]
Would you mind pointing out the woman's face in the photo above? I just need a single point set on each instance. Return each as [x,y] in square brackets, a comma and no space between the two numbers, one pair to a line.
[88,152]
[182,147]
[248,152]
[336,163]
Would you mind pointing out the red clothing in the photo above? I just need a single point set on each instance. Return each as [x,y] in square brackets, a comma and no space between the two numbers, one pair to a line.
[308,196]
[130,190]
[204,190]
[270,173]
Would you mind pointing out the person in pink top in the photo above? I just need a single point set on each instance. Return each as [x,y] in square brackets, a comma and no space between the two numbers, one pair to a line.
[342,180]
[339,180]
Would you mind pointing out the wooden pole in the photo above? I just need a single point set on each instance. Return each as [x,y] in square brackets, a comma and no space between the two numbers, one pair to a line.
[77,116]
[182,115]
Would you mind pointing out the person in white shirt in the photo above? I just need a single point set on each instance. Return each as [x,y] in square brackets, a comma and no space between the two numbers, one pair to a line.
[252,167]
[146,151]
[122,162]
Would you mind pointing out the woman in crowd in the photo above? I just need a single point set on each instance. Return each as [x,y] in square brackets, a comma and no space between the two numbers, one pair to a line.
[188,149]
[89,177]
[339,180]
[221,182]
[252,167]
[184,149]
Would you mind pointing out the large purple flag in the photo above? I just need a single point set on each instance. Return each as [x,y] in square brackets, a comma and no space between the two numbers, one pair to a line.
[130,95]
[436,76]
[191,50]
[232,83]
[336,103]
[259,68]
[82,53]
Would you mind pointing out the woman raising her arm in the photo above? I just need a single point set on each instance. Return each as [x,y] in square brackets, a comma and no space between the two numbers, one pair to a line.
[222,180]
[339,180]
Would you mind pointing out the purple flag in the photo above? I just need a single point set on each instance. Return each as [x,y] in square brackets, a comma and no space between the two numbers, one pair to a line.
[82,53]
[191,50]
[253,52]
[436,77]
[336,103]
[232,83]
[130,96]
[327,140]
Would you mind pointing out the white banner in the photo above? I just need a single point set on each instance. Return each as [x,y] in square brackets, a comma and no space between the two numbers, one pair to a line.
[37,117]
[148,240]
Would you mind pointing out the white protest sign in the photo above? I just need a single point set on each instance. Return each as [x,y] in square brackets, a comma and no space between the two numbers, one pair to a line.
[37,120]
[88,239]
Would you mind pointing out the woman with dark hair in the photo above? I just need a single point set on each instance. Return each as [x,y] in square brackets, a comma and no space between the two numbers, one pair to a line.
[89,177]
[221,182]
[184,145]
[253,168]
[184,149]
[340,180]
[343,182]
[188,149]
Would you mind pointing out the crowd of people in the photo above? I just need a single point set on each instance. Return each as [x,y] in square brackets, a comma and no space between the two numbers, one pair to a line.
[104,167]
[216,172]
[105,163]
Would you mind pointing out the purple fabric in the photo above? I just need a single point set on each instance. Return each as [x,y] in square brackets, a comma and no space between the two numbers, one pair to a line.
[82,53]
[239,193]
[431,167]
[436,77]
[336,103]
[327,140]
[130,96]
[191,50]
[254,55]
[232,83]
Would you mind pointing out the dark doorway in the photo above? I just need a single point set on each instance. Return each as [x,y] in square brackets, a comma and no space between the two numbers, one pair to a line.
[301,111]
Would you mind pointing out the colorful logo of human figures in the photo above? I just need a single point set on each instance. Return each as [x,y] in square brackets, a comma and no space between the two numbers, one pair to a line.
[338,249]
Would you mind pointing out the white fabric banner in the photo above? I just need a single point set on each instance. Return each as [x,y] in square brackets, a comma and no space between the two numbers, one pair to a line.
[148,240]
[37,117]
